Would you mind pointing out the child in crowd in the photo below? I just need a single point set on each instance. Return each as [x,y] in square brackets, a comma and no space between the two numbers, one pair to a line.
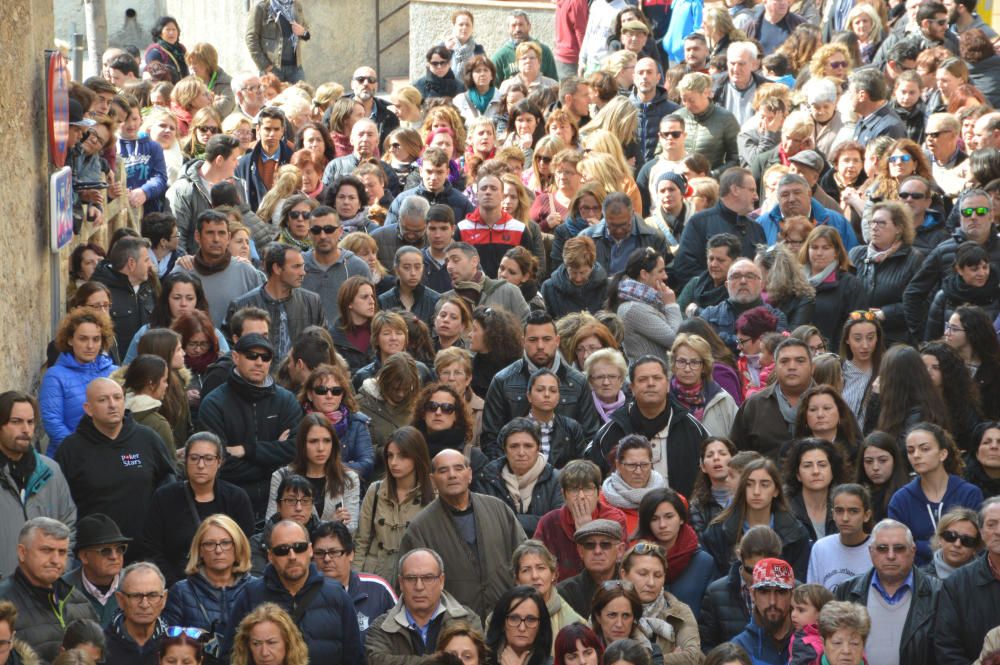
[806,646]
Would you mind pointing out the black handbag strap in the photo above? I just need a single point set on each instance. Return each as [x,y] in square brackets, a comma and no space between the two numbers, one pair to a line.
[377,487]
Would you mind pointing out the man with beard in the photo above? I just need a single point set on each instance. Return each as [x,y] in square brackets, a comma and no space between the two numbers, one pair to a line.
[364,83]
[320,607]
[766,636]
[744,283]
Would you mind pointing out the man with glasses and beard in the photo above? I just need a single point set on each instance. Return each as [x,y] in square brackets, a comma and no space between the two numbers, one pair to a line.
[766,637]
[320,607]
[744,283]
[364,84]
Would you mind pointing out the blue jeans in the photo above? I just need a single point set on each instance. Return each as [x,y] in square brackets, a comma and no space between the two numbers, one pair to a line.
[289,73]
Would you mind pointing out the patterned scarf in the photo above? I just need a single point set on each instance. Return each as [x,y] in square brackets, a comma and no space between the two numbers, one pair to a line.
[630,289]
[286,238]
[357,223]
[875,256]
[285,9]
[340,419]
[651,625]
[691,398]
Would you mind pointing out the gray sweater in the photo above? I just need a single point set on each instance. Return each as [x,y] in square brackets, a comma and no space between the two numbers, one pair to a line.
[223,287]
[647,330]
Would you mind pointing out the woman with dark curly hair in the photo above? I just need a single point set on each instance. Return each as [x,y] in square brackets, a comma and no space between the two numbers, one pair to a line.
[167,48]
[82,340]
[82,263]
[823,414]
[812,468]
[937,488]
[348,196]
[444,418]
[315,137]
[496,341]
[903,159]
[970,332]
[956,387]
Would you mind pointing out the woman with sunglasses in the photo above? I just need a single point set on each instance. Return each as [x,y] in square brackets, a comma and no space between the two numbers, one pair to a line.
[970,333]
[296,218]
[205,124]
[218,568]
[687,569]
[519,629]
[937,488]
[861,348]
[666,620]
[443,418]
[327,391]
[523,478]
[616,613]
[902,159]
[390,503]
[438,79]
[957,540]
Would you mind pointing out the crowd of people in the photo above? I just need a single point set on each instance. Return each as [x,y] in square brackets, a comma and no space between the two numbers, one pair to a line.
[673,341]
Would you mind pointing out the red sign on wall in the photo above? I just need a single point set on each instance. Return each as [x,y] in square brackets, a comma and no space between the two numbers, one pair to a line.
[57,106]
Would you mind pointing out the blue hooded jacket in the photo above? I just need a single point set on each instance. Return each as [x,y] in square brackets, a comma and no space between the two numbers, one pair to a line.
[63,392]
[762,648]
[771,223]
[145,169]
[911,506]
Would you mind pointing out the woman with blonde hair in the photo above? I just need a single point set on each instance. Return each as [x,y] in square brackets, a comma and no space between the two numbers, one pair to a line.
[205,124]
[203,60]
[407,100]
[786,287]
[188,97]
[832,61]
[540,177]
[444,116]
[866,24]
[366,248]
[324,97]
[217,571]
[720,30]
[529,69]
[772,102]
[620,118]
[401,149]
[605,170]
[268,636]
[238,126]
[692,385]
[621,65]
[161,126]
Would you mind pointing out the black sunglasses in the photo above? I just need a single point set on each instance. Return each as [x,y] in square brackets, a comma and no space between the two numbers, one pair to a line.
[950,536]
[916,196]
[365,79]
[258,355]
[676,134]
[285,550]
[299,214]
[336,391]
[443,407]
[329,229]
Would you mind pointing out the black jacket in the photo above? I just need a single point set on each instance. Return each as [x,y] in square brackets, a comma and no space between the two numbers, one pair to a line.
[650,115]
[563,297]
[702,291]
[720,539]
[834,301]
[929,236]
[353,356]
[248,170]
[130,309]
[449,196]
[431,86]
[579,592]
[976,475]
[507,398]
[798,311]
[424,303]
[329,624]
[927,280]
[546,495]
[916,646]
[173,518]
[884,284]
[914,119]
[968,606]
[242,414]
[954,292]
[798,506]
[122,649]
[684,435]
[216,374]
[724,614]
[115,477]
[37,623]
[690,259]
[302,308]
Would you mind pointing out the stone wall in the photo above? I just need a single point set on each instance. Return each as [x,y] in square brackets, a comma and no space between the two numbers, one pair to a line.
[121,31]
[430,22]
[25,32]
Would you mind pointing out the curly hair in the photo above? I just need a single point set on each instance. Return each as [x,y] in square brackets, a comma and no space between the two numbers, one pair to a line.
[801,45]
[77,317]
[817,63]
[757,321]
[502,333]
[959,391]
[296,652]
[886,186]
[464,421]
[798,449]
[785,280]
[449,115]
[319,375]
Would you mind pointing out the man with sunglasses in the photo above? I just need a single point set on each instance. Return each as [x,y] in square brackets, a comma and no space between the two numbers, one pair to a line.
[975,211]
[292,308]
[947,158]
[928,25]
[916,194]
[255,418]
[364,84]
[100,547]
[320,607]
[671,157]
[293,501]
[600,546]
[901,599]
[328,266]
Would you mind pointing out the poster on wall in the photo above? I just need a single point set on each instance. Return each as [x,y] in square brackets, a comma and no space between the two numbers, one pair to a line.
[61,208]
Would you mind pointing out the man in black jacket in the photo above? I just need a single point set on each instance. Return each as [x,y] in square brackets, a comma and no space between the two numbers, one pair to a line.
[292,309]
[672,431]
[133,637]
[507,395]
[599,543]
[36,589]
[258,168]
[892,586]
[433,188]
[709,288]
[737,198]
[126,274]
[243,322]
[113,464]
[969,603]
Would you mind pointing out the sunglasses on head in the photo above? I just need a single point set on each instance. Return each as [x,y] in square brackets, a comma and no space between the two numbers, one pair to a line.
[896,159]
[950,536]
[336,391]
[861,315]
[258,355]
[329,229]
[969,212]
[299,214]
[365,79]
[285,550]
[196,634]
[443,407]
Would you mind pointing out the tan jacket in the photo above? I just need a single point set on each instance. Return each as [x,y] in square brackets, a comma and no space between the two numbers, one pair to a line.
[685,649]
[263,36]
[389,640]
[376,545]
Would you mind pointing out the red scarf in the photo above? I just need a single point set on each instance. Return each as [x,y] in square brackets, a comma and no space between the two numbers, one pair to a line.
[679,556]
[783,156]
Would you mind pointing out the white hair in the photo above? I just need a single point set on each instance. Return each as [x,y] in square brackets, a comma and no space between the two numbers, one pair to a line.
[887,524]
[240,80]
[737,48]
[820,91]
[138,567]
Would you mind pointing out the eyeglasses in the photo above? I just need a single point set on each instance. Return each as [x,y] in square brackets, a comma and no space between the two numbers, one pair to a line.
[592,545]
[577,491]
[198,460]
[516,620]
[898,548]
[443,407]
[950,536]
[199,345]
[266,356]
[916,196]
[299,214]
[979,212]
[948,328]
[5,645]
[748,276]
[365,79]
[329,229]
[861,315]
[740,341]
[605,378]
[332,554]
[336,391]
[637,466]
[105,306]
[193,633]
[423,579]
[113,550]
[301,501]
[879,223]
[676,134]
[433,63]
[217,545]
[208,130]
[137,598]
[285,550]
[897,159]
[840,64]
[940,21]
[689,364]
[819,348]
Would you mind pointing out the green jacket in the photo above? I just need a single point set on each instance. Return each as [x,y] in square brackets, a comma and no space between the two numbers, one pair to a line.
[712,134]
[391,641]
[506,63]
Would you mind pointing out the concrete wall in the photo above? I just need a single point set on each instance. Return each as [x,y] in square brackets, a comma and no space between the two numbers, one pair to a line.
[25,33]
[430,22]
[121,32]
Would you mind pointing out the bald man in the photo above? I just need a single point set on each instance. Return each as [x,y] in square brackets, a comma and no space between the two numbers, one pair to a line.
[365,143]
[112,463]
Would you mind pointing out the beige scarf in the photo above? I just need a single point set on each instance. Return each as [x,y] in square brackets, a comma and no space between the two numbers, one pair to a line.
[521,487]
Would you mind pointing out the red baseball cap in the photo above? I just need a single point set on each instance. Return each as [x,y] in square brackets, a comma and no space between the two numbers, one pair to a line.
[773,573]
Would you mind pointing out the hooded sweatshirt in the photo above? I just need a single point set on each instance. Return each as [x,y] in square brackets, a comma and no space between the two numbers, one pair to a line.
[761,647]
[145,169]
[563,297]
[911,506]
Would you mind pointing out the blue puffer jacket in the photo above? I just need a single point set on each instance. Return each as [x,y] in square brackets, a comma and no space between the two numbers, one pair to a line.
[63,392]
[771,223]
[195,603]
[329,623]
[356,447]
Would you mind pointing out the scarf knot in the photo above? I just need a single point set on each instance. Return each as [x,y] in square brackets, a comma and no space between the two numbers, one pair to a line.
[521,487]
[620,494]
[873,255]
[691,398]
